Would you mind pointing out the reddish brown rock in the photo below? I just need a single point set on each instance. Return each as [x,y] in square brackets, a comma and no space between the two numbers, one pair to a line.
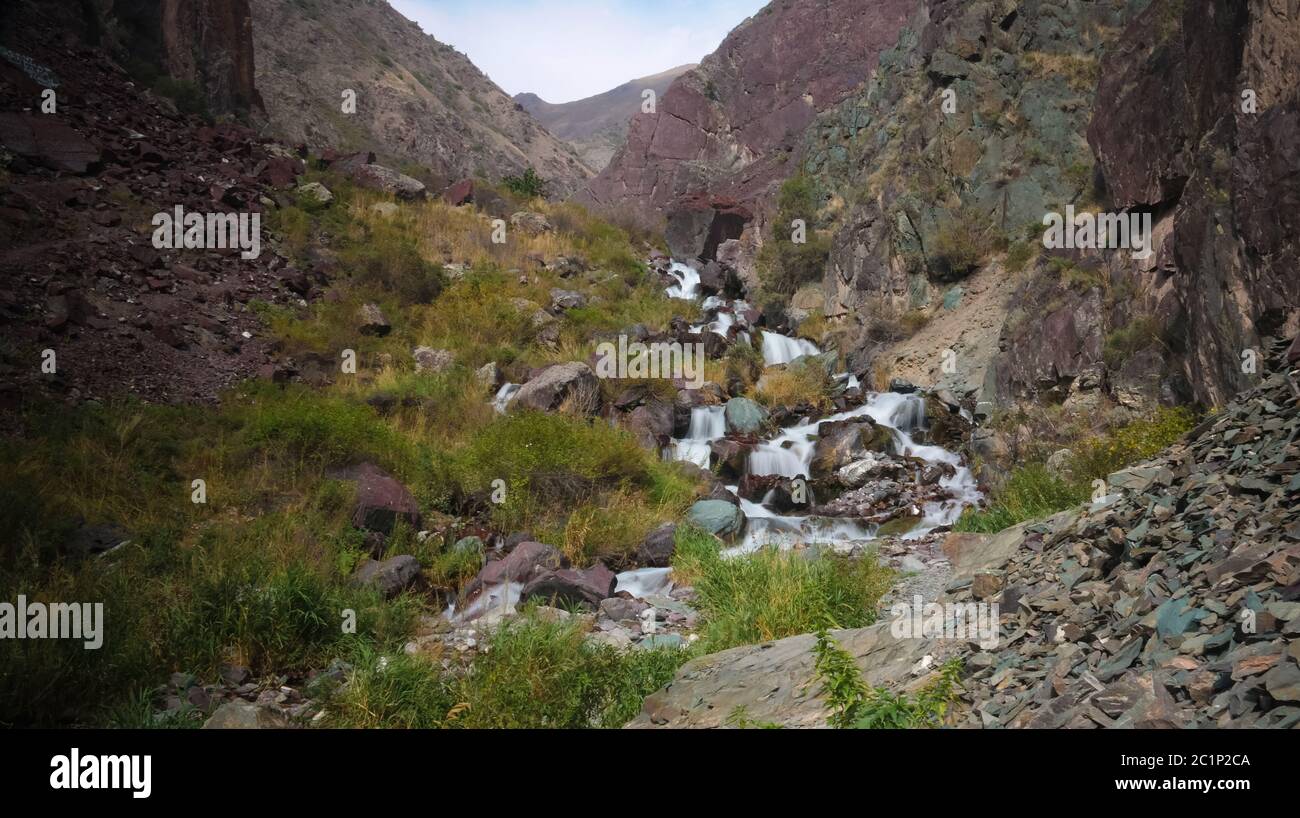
[460,193]
[381,500]
[47,142]
[587,586]
[210,43]
[726,127]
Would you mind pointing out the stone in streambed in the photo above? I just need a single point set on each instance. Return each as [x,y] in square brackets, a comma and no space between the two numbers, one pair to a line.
[390,577]
[717,517]
[586,586]
[744,416]
[553,385]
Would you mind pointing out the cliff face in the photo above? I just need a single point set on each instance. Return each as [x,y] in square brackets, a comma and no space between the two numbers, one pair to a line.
[205,44]
[729,126]
[597,126]
[416,98]
[210,43]
[1198,118]
[1106,107]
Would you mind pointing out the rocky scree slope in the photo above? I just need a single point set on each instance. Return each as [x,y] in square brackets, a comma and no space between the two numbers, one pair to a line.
[416,99]
[1171,602]
[597,126]
[80,273]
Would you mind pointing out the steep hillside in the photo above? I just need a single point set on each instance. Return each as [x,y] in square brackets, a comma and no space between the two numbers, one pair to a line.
[416,99]
[1058,104]
[729,126]
[597,126]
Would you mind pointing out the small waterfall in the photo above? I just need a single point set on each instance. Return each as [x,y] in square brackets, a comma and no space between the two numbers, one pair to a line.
[790,454]
[645,582]
[503,397]
[707,425]
[688,282]
[782,349]
[910,415]
[502,596]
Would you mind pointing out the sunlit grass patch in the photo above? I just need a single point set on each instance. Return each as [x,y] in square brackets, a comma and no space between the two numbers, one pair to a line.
[771,594]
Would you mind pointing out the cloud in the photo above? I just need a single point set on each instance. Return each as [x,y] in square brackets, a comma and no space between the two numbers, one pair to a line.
[564,50]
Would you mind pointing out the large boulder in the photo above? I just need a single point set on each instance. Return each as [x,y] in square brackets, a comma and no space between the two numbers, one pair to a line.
[730,457]
[45,141]
[524,562]
[652,423]
[549,389]
[656,551]
[586,586]
[241,715]
[840,443]
[387,180]
[744,416]
[562,300]
[429,361]
[390,577]
[717,517]
[381,500]
[461,193]
[533,224]
[371,321]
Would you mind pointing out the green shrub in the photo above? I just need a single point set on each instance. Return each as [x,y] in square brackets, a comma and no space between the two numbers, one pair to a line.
[549,462]
[784,266]
[527,185]
[961,246]
[853,704]
[387,257]
[1100,456]
[1030,492]
[315,428]
[1122,343]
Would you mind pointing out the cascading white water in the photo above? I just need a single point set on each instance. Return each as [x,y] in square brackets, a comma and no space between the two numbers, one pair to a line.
[790,453]
[765,527]
[503,397]
[688,282]
[503,596]
[645,582]
[707,425]
[782,349]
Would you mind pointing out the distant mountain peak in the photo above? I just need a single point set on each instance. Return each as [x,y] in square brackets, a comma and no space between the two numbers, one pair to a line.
[597,125]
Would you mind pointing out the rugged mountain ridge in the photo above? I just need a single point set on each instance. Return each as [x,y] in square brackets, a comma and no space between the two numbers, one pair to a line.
[729,127]
[597,125]
[417,99]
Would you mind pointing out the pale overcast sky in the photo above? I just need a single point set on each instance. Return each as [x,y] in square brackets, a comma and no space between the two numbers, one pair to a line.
[564,50]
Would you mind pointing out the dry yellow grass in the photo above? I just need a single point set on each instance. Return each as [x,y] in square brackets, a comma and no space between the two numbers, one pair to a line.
[794,385]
